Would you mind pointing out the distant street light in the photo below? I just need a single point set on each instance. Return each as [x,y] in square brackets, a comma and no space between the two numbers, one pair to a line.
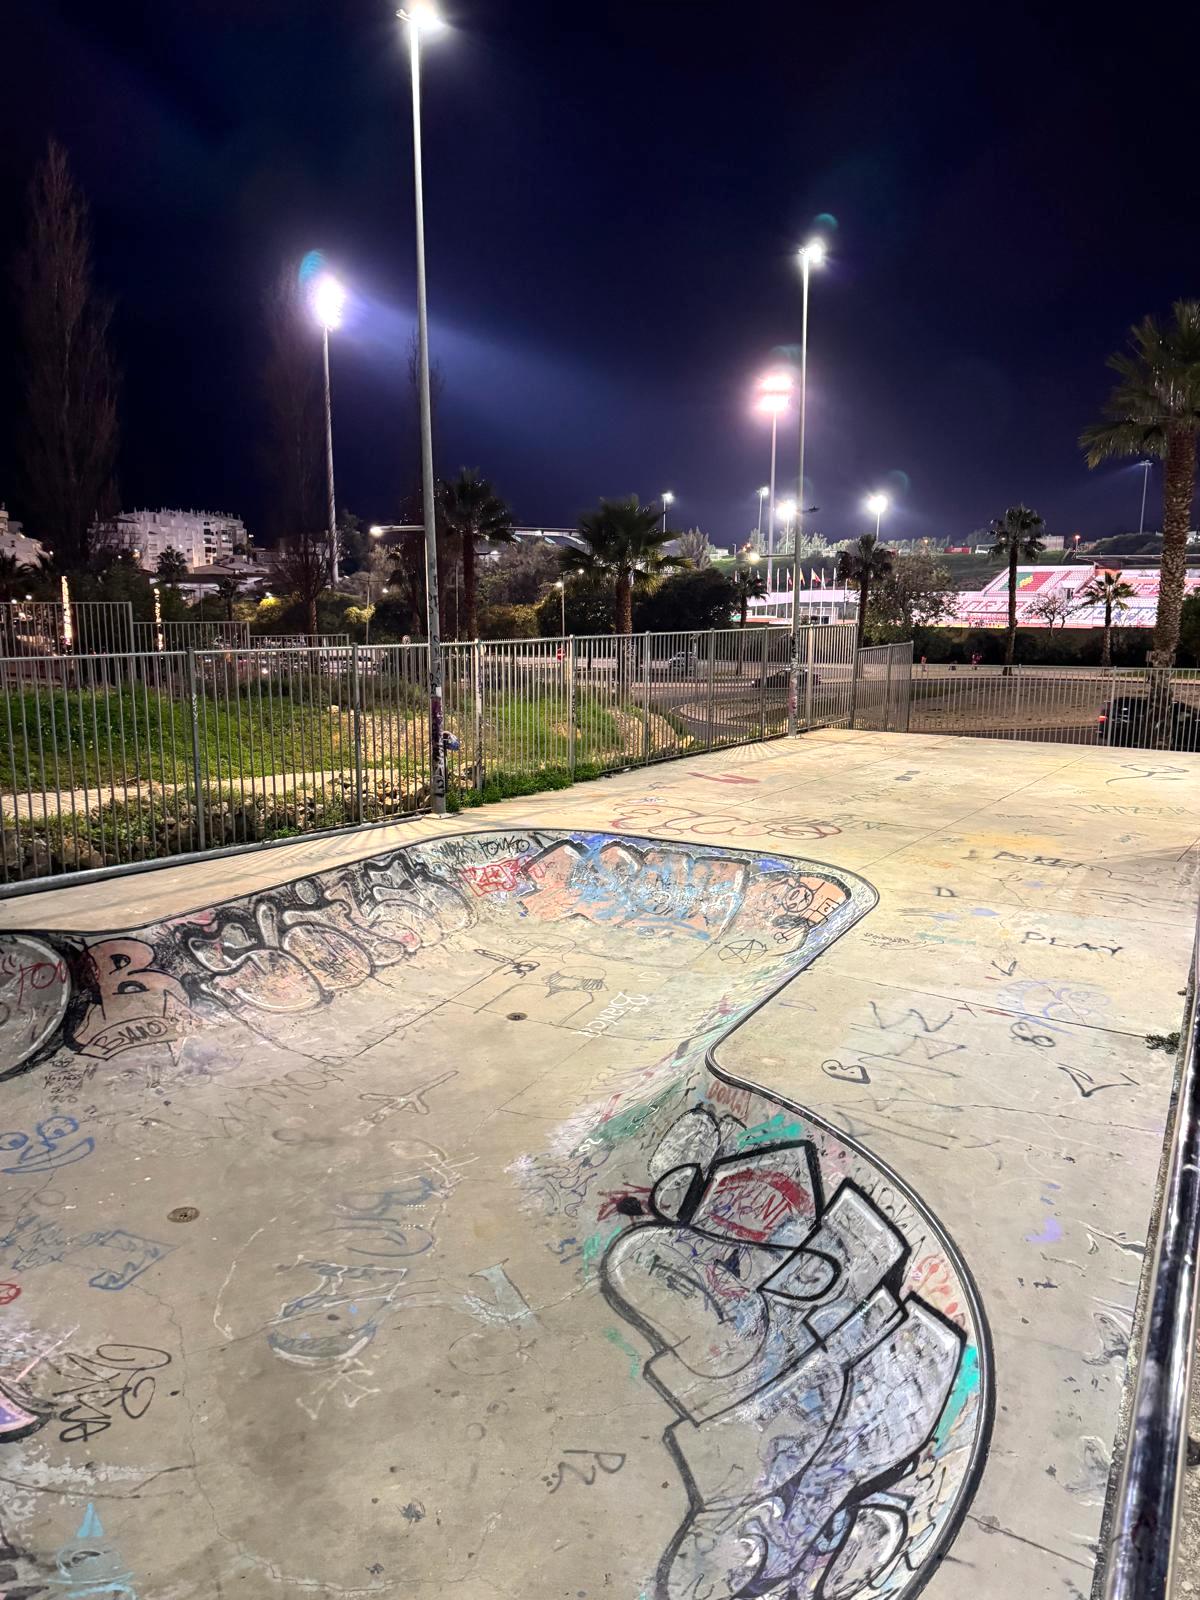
[877,504]
[774,391]
[810,255]
[422,17]
[328,303]
[668,499]
[1145,466]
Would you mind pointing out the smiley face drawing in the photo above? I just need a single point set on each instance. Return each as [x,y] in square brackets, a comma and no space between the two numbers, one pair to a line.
[52,1144]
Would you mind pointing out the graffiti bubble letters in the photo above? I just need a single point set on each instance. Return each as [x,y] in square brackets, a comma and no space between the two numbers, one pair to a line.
[51,1144]
[810,1387]
[132,1001]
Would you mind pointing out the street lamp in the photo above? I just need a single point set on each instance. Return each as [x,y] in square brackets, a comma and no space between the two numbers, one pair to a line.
[809,255]
[561,586]
[328,303]
[668,499]
[1145,466]
[422,17]
[774,392]
[877,504]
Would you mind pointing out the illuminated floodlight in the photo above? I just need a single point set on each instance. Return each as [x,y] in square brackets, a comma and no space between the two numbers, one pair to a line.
[328,301]
[423,16]
[877,504]
[813,253]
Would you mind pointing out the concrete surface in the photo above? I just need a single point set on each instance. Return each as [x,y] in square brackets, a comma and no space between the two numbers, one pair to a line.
[640,1189]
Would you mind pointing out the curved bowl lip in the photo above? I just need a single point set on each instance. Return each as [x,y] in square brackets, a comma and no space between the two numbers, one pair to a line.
[971,1477]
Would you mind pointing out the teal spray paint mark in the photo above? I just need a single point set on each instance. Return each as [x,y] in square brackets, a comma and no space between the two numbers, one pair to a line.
[623,1345]
[777,1128]
[966,1386]
[91,1527]
[594,1247]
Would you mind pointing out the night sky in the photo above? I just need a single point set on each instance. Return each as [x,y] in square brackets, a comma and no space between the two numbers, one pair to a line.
[614,196]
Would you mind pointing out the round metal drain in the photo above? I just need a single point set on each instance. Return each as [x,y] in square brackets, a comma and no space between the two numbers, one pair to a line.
[183,1214]
[517,1016]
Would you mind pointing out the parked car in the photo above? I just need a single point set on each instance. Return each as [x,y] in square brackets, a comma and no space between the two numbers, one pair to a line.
[1126,720]
[681,665]
[781,677]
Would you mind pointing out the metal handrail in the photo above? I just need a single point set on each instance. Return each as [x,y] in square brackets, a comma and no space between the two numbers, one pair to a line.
[1142,1542]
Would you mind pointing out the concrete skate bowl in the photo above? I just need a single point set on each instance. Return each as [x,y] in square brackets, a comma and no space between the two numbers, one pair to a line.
[399,1226]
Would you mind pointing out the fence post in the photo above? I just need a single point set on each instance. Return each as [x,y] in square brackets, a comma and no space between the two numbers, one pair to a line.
[645,697]
[712,682]
[762,685]
[810,676]
[477,697]
[356,713]
[569,659]
[197,784]
[887,694]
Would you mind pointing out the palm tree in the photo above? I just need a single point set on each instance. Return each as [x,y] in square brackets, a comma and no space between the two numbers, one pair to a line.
[16,577]
[623,541]
[1016,536]
[1154,410]
[859,567]
[1107,589]
[172,566]
[748,584]
[472,510]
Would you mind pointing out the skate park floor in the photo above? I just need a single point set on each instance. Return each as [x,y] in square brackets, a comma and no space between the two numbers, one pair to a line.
[728,1178]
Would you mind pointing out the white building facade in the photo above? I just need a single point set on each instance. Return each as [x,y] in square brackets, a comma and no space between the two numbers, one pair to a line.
[15,542]
[203,538]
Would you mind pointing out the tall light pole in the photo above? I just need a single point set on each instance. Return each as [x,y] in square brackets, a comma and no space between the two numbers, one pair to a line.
[786,512]
[774,392]
[1145,466]
[810,255]
[561,586]
[762,495]
[421,17]
[877,504]
[328,303]
[668,499]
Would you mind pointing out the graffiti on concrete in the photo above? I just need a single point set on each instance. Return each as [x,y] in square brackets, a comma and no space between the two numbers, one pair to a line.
[806,1321]
[812,1392]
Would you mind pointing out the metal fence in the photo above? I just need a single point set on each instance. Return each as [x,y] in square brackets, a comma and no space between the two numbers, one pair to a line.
[191,635]
[140,755]
[1142,1548]
[1145,708]
[47,627]
[883,688]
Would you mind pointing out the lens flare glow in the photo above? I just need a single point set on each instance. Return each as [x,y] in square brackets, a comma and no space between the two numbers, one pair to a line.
[877,504]
[423,16]
[775,383]
[328,301]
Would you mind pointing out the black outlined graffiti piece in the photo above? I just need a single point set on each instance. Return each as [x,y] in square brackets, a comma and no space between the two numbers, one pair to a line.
[806,1378]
